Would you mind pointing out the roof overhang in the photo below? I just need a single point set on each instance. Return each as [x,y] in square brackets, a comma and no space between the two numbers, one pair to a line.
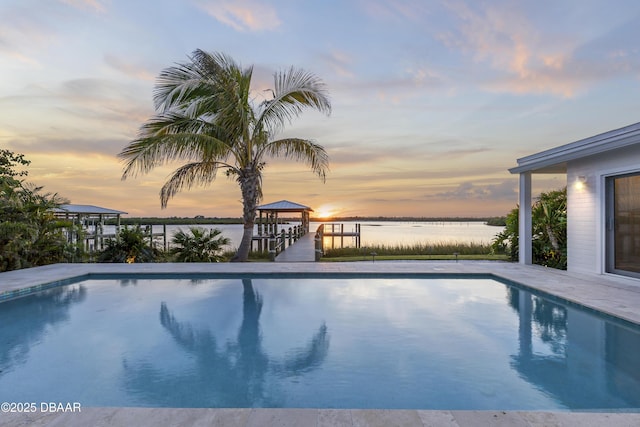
[555,160]
[71,209]
[285,206]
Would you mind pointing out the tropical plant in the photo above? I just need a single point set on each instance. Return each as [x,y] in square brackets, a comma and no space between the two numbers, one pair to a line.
[549,221]
[9,161]
[549,231]
[507,241]
[208,116]
[131,245]
[198,245]
[30,234]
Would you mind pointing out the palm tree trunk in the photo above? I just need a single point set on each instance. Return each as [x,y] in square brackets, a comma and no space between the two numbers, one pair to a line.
[249,180]
[552,237]
[245,244]
[549,218]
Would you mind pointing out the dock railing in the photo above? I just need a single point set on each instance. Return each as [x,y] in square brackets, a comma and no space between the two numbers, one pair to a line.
[319,239]
[277,243]
[334,230]
[337,230]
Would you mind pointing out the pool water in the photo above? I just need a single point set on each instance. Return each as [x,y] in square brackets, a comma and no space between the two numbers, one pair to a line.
[318,342]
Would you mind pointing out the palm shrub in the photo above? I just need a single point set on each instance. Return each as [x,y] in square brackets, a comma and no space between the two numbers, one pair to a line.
[198,245]
[131,245]
[549,231]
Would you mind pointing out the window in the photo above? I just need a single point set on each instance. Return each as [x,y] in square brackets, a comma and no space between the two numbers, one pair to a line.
[623,224]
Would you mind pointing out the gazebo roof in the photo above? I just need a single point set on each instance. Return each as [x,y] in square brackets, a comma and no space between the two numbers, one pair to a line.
[86,210]
[285,206]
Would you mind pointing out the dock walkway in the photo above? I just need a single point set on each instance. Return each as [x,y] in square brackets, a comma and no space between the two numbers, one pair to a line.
[303,250]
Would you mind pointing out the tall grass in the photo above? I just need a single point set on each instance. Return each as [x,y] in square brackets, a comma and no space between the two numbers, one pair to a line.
[438,248]
[253,255]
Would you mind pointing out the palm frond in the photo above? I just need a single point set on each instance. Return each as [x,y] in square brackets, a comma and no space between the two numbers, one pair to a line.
[172,136]
[313,154]
[186,176]
[142,155]
[199,79]
[294,91]
[176,84]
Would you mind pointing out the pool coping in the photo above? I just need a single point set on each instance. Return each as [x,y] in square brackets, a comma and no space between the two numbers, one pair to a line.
[614,296]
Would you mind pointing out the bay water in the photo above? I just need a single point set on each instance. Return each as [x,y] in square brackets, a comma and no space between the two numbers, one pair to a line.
[373,233]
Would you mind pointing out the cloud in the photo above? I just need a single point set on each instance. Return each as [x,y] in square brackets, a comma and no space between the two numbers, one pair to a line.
[69,146]
[409,84]
[96,5]
[75,114]
[526,56]
[340,62]
[396,10]
[505,190]
[128,68]
[23,31]
[242,15]
[502,37]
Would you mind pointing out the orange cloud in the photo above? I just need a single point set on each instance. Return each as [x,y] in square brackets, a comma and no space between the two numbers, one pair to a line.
[506,39]
[243,15]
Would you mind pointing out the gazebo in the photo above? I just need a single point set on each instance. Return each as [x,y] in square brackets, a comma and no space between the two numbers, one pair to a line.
[79,213]
[268,218]
[91,218]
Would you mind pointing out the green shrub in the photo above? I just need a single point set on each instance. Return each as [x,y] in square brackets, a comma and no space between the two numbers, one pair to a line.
[198,245]
[549,231]
[131,245]
[30,234]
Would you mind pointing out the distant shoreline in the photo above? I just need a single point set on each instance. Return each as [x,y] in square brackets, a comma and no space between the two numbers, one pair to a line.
[497,221]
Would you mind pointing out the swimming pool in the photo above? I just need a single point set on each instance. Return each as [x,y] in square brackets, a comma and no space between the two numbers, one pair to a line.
[429,342]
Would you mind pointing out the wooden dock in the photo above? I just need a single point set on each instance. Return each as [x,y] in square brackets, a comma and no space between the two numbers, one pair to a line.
[334,231]
[310,247]
[303,250]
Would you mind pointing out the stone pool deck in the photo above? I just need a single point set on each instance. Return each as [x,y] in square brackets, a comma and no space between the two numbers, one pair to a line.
[617,296]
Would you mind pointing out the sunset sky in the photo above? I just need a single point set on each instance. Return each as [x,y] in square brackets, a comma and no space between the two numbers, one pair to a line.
[432,100]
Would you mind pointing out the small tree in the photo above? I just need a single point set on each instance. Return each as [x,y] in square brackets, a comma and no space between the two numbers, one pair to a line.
[30,234]
[549,231]
[198,245]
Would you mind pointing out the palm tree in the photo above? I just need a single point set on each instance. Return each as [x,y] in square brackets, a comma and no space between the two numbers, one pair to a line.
[198,245]
[130,245]
[206,116]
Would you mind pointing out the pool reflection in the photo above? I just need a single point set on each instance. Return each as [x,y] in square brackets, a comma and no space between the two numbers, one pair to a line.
[574,356]
[234,374]
[410,343]
[24,322]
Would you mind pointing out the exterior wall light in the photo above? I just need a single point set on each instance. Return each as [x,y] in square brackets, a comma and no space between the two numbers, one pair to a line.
[581,182]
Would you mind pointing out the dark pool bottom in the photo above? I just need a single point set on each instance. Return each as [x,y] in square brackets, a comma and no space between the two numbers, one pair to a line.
[456,342]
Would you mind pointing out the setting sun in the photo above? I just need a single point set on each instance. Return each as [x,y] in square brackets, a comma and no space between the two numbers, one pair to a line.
[325,212]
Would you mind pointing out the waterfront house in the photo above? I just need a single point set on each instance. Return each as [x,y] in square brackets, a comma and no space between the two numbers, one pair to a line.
[603,201]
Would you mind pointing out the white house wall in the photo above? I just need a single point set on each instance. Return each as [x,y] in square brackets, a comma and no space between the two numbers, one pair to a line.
[586,206]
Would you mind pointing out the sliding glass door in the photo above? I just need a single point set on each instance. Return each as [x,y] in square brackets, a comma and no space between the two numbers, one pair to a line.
[623,224]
